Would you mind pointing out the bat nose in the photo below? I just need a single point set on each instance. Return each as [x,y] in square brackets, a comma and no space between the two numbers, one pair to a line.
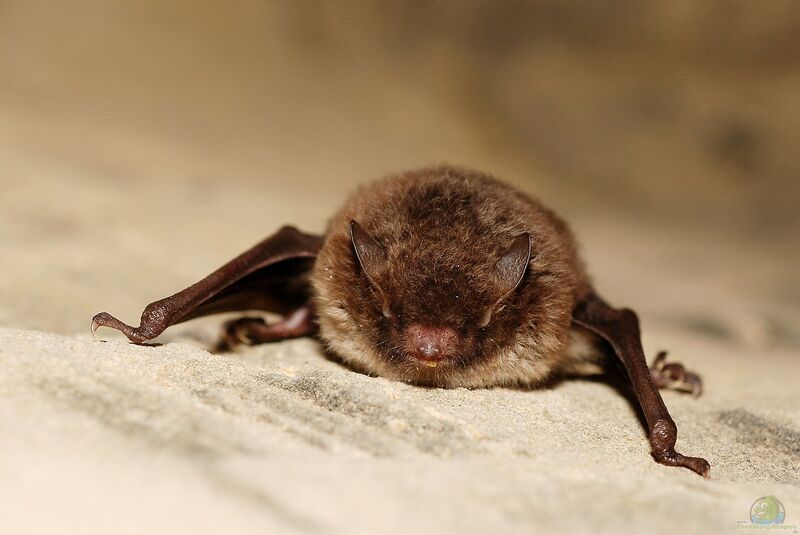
[430,343]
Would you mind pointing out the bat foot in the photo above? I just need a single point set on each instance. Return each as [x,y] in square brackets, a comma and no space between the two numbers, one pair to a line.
[251,331]
[237,332]
[674,376]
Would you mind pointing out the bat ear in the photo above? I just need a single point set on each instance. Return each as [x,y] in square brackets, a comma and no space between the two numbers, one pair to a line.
[512,265]
[371,255]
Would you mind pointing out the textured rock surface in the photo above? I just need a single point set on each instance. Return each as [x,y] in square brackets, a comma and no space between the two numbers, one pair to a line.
[114,437]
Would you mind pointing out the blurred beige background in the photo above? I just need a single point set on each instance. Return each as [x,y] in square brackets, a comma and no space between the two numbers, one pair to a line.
[142,144]
[171,135]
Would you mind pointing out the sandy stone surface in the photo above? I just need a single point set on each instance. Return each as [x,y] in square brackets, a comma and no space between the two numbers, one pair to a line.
[171,439]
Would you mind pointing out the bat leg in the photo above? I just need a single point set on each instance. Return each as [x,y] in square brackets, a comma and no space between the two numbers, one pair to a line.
[674,376]
[252,331]
[620,328]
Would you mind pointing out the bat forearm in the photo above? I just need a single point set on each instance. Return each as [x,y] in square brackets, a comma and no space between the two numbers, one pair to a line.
[620,328]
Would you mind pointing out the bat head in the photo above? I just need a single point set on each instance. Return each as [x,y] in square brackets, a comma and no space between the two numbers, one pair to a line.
[433,303]
[446,277]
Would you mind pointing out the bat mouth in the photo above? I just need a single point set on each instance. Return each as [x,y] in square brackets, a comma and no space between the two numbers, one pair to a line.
[442,372]
[425,362]
[416,367]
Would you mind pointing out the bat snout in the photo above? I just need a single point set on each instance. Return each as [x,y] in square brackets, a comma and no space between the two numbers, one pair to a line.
[430,344]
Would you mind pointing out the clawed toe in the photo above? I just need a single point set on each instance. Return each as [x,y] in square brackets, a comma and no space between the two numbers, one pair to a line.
[237,332]
[674,376]
[240,329]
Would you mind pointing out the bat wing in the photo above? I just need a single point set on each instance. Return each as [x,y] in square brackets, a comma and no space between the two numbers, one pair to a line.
[271,276]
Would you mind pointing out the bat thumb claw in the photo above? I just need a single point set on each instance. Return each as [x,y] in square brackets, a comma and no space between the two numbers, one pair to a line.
[98,321]
[95,326]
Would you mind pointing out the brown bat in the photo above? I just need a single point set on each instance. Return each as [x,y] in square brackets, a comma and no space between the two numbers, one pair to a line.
[440,276]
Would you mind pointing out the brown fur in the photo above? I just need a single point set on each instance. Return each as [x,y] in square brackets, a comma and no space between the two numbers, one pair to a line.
[443,229]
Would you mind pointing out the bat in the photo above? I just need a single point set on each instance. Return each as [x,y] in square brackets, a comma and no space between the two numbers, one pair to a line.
[440,276]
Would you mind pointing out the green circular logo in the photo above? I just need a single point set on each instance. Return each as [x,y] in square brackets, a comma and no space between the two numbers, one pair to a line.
[767,510]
